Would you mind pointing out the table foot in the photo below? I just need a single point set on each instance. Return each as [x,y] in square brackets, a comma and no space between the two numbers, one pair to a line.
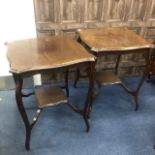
[136,102]
[27,141]
[87,123]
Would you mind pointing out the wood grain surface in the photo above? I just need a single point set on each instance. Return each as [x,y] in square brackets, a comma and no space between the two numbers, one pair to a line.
[112,39]
[45,53]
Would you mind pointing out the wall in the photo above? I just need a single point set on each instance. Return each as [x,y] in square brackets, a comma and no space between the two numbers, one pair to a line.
[17,22]
[59,17]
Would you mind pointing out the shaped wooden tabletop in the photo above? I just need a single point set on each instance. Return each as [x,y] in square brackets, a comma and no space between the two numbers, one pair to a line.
[45,53]
[112,39]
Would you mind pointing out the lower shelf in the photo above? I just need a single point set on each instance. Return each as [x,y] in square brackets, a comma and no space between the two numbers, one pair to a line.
[50,96]
[107,77]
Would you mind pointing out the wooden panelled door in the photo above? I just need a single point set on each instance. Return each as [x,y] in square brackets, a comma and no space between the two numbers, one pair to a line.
[59,17]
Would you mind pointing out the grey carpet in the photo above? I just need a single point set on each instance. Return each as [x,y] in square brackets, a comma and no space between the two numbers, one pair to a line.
[116,129]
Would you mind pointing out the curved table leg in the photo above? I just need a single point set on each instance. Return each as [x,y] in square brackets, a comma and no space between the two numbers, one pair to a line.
[136,92]
[136,101]
[19,83]
[117,63]
[28,126]
[89,99]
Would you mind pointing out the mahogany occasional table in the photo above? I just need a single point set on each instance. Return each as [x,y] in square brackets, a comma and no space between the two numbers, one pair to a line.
[115,41]
[40,55]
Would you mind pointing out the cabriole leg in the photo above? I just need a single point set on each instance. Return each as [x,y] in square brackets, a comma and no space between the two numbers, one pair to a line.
[18,83]
[89,99]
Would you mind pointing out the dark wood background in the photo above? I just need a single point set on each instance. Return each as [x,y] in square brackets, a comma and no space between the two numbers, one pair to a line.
[59,17]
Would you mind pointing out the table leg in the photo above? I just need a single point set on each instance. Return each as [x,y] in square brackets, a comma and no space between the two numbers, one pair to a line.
[28,126]
[117,63]
[66,83]
[19,83]
[136,92]
[89,99]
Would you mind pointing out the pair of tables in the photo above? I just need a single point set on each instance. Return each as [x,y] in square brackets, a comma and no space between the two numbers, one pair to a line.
[45,54]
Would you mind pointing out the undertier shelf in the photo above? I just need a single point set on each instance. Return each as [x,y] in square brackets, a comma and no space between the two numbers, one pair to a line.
[107,77]
[50,96]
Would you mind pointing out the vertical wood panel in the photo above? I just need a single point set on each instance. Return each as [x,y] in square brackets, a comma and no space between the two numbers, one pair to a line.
[44,10]
[152,10]
[69,10]
[64,17]
[151,14]
[47,10]
[93,10]
[115,10]
[120,12]
[137,9]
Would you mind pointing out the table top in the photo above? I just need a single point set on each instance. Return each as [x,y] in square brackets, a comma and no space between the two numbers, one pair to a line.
[112,39]
[45,53]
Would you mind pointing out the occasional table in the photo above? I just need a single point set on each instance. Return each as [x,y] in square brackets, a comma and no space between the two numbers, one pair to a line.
[43,55]
[114,41]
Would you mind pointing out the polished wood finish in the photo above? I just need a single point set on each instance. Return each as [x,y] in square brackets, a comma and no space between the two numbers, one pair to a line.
[107,77]
[50,96]
[43,55]
[116,41]
[112,39]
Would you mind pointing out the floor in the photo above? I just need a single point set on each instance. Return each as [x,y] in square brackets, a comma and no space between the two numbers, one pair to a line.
[116,129]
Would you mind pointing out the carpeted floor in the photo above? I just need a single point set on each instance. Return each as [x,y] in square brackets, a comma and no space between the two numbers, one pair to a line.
[116,129]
